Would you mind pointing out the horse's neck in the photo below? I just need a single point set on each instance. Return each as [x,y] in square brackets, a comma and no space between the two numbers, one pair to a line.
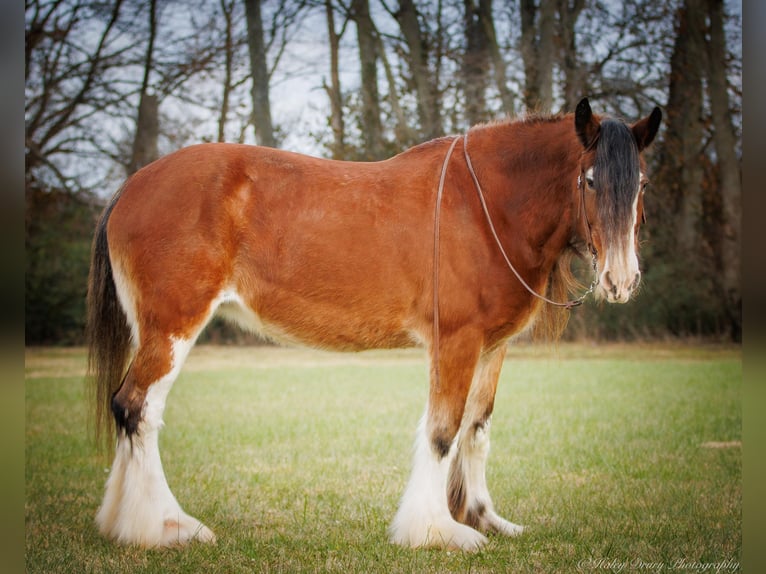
[533,168]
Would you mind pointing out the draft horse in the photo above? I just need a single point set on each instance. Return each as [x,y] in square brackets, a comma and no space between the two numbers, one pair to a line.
[454,245]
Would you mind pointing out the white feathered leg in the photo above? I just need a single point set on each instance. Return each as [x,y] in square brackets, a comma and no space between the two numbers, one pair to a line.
[469,498]
[423,518]
[138,506]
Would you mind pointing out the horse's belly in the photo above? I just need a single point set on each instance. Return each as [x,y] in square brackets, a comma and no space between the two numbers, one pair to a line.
[291,320]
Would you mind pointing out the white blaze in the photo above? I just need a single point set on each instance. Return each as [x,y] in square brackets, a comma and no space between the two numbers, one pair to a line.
[621,273]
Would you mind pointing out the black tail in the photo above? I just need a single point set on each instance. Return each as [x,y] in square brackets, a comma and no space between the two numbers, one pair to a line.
[107,333]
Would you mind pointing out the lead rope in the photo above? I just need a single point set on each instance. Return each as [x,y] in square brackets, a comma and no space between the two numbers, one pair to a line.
[437,217]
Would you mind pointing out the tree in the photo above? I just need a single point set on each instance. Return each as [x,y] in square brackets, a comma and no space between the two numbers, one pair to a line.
[66,81]
[574,78]
[229,49]
[475,65]
[682,150]
[730,184]
[538,52]
[148,122]
[424,81]
[372,127]
[264,130]
[333,91]
[487,19]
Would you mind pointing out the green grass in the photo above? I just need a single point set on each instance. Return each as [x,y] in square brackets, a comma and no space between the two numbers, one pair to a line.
[616,458]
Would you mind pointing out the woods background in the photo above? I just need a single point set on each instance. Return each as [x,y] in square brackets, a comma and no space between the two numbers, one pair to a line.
[111,86]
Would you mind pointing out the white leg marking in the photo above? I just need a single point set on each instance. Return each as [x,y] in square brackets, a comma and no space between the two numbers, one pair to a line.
[473,444]
[473,459]
[138,506]
[423,518]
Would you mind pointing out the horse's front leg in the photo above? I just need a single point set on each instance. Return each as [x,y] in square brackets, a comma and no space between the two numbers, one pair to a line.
[469,499]
[424,517]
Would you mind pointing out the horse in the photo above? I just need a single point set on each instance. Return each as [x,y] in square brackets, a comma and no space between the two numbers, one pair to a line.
[456,245]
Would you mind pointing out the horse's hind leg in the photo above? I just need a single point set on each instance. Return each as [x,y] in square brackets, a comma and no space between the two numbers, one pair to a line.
[138,506]
[469,499]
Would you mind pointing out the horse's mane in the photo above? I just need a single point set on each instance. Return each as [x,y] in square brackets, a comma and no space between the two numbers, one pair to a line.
[551,321]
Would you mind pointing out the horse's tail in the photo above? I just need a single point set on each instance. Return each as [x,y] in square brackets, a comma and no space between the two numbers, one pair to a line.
[107,333]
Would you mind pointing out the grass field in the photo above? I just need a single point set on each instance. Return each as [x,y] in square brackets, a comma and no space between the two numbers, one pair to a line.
[615,458]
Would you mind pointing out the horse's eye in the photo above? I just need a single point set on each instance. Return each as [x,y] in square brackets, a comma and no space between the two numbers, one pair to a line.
[589,181]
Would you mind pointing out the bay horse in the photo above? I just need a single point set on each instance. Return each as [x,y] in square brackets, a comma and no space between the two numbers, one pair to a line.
[454,252]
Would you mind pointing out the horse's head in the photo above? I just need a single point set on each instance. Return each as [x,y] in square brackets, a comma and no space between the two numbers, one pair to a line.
[611,187]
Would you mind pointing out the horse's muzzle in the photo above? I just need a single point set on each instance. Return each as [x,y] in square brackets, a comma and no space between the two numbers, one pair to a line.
[617,287]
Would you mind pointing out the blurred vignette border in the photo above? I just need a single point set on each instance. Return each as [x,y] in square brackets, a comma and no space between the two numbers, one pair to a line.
[754,286]
[11,285]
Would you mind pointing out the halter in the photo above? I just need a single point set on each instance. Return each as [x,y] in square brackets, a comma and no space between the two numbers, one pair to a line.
[437,216]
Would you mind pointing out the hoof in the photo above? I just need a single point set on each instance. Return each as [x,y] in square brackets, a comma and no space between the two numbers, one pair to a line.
[154,532]
[491,522]
[183,531]
[447,534]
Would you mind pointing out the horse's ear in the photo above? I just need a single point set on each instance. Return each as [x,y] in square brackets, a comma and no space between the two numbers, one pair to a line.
[644,130]
[586,125]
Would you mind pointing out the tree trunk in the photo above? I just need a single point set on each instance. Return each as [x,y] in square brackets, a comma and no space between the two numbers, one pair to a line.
[368,58]
[498,64]
[574,73]
[148,123]
[426,89]
[537,51]
[475,65]
[404,134]
[264,130]
[147,131]
[685,125]
[227,8]
[333,90]
[725,142]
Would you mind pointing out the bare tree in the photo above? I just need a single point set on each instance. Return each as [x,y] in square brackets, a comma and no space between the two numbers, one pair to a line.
[685,127]
[148,121]
[475,65]
[498,63]
[264,130]
[725,142]
[368,58]
[65,82]
[424,80]
[334,92]
[538,52]
[229,48]
[574,72]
